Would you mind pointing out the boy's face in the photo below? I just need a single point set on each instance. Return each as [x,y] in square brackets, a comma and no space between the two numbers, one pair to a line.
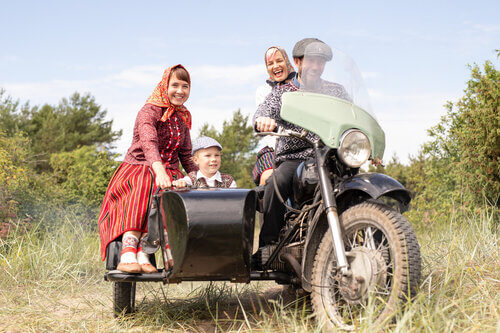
[208,160]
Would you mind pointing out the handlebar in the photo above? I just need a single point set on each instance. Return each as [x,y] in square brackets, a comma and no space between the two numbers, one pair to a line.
[287,133]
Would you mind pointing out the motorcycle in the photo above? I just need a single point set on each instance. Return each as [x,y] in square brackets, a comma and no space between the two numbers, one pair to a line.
[345,241]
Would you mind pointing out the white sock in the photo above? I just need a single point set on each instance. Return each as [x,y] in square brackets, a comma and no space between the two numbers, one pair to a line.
[128,258]
[129,249]
[142,258]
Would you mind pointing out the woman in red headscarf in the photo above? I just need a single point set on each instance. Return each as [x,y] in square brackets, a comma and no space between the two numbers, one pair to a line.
[161,139]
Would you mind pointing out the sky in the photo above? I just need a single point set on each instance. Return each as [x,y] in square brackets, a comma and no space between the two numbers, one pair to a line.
[412,55]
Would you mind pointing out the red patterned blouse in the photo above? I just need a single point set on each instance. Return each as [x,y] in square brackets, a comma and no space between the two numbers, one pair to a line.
[154,140]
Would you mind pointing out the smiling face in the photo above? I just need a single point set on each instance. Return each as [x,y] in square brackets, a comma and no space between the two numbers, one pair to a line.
[310,69]
[208,160]
[178,90]
[276,65]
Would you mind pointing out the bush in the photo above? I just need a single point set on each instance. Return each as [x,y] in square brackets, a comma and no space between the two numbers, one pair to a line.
[468,140]
[83,175]
[13,173]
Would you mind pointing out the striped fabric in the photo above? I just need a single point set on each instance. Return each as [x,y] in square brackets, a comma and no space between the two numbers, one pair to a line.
[265,161]
[126,203]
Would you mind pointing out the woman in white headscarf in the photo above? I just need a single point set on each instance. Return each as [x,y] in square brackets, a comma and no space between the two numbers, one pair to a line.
[280,72]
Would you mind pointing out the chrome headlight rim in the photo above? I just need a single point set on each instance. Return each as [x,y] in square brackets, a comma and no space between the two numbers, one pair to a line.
[342,148]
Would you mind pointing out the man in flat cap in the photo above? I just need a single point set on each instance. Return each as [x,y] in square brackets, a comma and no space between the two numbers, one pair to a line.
[310,56]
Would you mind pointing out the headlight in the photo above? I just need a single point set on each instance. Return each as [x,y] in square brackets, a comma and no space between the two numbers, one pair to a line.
[354,148]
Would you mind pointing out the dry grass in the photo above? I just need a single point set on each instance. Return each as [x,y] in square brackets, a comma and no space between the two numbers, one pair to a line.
[55,283]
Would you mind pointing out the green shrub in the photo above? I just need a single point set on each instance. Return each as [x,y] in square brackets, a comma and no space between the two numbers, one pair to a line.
[14,173]
[83,175]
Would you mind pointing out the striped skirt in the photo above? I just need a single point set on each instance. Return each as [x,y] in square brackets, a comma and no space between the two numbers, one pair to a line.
[265,161]
[126,204]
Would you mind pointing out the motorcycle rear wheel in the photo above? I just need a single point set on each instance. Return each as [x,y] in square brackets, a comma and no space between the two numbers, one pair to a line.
[384,258]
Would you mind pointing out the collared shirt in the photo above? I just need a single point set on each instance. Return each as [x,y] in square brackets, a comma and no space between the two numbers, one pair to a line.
[210,180]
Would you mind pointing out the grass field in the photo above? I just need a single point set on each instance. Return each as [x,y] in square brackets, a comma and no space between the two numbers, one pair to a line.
[54,282]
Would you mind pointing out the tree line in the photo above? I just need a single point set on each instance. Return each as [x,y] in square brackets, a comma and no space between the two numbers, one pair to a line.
[59,158]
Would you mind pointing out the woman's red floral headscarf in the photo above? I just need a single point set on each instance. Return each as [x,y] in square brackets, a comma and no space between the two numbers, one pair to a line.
[159,98]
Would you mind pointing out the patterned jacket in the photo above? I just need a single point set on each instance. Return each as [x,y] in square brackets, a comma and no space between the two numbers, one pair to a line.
[292,148]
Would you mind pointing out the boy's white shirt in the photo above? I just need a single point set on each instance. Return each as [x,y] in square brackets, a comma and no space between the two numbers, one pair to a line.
[210,180]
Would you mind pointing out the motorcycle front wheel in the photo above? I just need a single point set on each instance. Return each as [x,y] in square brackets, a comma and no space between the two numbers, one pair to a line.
[385,269]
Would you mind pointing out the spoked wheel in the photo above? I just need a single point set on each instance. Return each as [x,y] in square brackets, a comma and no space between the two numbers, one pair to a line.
[384,260]
[123,297]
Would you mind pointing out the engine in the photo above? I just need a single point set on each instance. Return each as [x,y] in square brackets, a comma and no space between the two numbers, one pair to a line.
[280,264]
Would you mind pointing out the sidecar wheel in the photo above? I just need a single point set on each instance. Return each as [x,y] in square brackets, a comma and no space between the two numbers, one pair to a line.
[384,258]
[123,298]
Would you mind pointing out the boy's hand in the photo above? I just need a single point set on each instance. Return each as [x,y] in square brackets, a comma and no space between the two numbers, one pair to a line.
[179,183]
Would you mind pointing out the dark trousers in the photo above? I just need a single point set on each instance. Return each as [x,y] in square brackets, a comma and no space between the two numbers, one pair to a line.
[274,210]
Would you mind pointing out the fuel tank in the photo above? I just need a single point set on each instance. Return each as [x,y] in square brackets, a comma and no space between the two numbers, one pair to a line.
[210,233]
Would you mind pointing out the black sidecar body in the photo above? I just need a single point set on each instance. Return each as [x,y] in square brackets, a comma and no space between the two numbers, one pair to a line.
[210,233]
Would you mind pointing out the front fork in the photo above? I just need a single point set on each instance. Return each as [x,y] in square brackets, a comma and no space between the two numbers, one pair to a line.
[331,208]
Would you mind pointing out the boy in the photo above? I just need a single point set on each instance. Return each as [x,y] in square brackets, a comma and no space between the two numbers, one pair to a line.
[207,156]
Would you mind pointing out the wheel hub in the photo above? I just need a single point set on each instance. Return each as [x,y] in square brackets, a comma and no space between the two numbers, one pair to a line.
[367,272]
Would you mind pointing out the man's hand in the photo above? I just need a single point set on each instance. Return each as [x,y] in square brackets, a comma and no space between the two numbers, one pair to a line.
[161,177]
[265,124]
[179,183]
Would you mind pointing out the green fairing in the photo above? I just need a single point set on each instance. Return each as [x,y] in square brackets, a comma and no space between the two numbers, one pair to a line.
[329,117]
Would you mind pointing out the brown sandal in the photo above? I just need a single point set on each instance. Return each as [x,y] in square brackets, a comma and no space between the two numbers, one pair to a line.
[148,268]
[129,267]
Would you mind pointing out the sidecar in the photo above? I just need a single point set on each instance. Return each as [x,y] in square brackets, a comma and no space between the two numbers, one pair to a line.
[211,234]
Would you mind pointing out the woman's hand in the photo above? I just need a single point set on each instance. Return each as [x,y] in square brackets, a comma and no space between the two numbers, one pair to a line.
[161,177]
[179,183]
[265,124]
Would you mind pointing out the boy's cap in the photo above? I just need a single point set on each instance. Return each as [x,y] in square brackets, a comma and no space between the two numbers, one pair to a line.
[205,142]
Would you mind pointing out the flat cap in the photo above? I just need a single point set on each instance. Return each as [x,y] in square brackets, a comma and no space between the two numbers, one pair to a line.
[300,47]
[205,142]
[319,49]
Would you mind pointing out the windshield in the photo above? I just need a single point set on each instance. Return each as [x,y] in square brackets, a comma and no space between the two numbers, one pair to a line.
[326,70]
[332,98]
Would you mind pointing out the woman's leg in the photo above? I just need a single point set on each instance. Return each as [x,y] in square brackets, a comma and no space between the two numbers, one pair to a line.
[143,259]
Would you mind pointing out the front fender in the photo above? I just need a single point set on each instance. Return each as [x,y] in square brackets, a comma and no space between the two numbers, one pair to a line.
[375,185]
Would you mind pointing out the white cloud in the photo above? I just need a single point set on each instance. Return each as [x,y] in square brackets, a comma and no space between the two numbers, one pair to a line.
[233,74]
[139,75]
